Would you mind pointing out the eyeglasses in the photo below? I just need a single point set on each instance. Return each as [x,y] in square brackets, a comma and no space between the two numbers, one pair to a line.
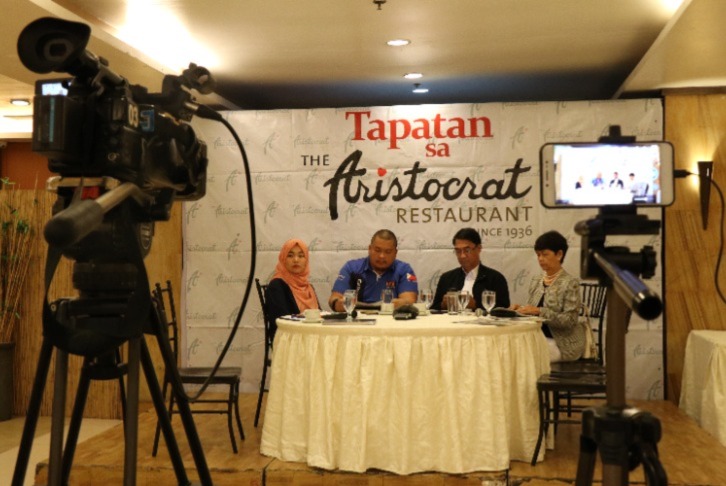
[464,251]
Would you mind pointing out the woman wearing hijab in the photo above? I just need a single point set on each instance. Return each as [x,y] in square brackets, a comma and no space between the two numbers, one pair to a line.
[289,291]
[555,297]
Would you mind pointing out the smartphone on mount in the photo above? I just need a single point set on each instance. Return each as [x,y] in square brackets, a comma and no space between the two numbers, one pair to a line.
[606,174]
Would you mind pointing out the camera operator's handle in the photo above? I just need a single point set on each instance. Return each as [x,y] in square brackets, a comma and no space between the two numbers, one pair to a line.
[635,294]
[79,219]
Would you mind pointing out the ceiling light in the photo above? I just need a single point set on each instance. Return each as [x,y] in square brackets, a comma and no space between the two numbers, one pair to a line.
[413,75]
[20,102]
[419,90]
[398,42]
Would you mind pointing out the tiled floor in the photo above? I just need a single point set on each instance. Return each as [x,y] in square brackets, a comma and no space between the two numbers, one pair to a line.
[11,431]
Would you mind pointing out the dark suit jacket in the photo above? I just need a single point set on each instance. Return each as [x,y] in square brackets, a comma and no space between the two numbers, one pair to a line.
[486,279]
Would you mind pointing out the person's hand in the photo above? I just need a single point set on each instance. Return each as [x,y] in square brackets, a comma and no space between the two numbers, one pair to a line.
[529,310]
[514,306]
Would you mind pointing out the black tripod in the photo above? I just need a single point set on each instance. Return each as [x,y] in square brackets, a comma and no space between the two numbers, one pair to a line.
[114,308]
[625,436]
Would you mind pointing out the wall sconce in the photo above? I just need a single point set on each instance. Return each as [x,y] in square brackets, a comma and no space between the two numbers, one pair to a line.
[705,172]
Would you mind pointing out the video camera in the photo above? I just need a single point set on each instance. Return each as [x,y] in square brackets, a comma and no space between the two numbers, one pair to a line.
[102,126]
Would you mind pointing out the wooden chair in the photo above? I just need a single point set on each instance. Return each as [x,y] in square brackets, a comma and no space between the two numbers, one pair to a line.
[594,302]
[267,360]
[583,379]
[550,390]
[226,376]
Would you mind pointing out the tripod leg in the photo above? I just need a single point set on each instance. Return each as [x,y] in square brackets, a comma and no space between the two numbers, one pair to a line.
[31,419]
[74,427]
[55,469]
[586,462]
[131,418]
[184,411]
[121,388]
[163,421]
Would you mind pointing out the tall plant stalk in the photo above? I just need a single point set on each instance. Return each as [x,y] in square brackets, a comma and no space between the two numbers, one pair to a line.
[20,219]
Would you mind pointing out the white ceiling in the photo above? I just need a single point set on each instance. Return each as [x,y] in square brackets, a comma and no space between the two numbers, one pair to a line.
[329,53]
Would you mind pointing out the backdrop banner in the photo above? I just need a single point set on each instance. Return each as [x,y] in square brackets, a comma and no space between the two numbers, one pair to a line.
[332,177]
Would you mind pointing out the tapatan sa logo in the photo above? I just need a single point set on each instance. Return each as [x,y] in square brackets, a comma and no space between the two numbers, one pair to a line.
[438,128]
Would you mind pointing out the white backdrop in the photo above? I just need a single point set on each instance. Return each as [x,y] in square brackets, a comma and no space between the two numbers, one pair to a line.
[332,177]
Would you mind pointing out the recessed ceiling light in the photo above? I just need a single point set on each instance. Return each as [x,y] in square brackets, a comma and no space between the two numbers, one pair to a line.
[398,42]
[413,75]
[419,90]
[20,102]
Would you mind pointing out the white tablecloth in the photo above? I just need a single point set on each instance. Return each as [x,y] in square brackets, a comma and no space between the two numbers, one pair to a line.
[703,389]
[404,396]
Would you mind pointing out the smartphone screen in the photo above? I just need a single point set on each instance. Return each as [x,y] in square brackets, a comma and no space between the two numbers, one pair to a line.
[597,174]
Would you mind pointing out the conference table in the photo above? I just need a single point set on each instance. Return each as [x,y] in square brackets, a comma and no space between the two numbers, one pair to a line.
[446,393]
[703,388]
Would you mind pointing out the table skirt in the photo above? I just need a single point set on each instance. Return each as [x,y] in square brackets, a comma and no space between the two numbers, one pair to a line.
[405,404]
[703,388]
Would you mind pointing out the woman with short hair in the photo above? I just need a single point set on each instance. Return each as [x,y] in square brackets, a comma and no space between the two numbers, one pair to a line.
[555,297]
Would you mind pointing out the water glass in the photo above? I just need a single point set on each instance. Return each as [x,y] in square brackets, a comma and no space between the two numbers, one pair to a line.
[452,303]
[463,301]
[488,300]
[426,297]
[350,298]
[387,301]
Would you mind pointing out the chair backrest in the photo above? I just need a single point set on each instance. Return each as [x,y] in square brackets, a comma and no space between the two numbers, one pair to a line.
[261,289]
[164,298]
[594,300]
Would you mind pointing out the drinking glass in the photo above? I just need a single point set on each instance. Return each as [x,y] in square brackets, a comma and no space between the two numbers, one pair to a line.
[350,298]
[427,298]
[387,301]
[452,303]
[488,298]
[463,301]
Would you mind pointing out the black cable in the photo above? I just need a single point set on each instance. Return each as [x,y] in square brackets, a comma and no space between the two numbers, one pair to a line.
[253,259]
[680,173]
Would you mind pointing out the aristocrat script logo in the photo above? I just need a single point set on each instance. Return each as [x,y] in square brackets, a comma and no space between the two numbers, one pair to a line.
[348,180]
[438,128]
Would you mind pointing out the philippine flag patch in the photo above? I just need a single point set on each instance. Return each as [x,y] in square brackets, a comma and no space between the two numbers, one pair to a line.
[410,277]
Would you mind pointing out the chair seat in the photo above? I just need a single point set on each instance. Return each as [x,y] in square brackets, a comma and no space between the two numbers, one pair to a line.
[224,375]
[582,366]
[581,383]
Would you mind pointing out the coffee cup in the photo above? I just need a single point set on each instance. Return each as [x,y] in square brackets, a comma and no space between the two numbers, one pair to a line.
[312,315]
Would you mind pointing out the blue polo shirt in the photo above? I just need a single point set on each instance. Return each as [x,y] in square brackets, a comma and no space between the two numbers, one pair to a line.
[399,277]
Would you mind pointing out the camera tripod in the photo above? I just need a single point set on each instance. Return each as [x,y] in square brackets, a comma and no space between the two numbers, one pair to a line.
[94,326]
[625,436]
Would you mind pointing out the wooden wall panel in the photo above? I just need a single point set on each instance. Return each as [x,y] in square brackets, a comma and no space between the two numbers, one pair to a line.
[695,123]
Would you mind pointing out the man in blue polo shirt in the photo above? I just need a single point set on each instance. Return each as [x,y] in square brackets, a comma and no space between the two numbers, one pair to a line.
[380,270]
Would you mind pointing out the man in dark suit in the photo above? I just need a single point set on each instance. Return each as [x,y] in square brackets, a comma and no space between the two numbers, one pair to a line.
[471,275]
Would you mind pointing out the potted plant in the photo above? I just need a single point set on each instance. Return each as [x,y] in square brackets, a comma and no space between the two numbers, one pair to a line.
[20,219]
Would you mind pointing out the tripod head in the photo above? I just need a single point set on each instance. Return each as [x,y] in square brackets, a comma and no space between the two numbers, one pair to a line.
[617,266]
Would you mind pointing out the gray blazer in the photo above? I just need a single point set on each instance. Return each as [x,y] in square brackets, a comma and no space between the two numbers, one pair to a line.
[560,312]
